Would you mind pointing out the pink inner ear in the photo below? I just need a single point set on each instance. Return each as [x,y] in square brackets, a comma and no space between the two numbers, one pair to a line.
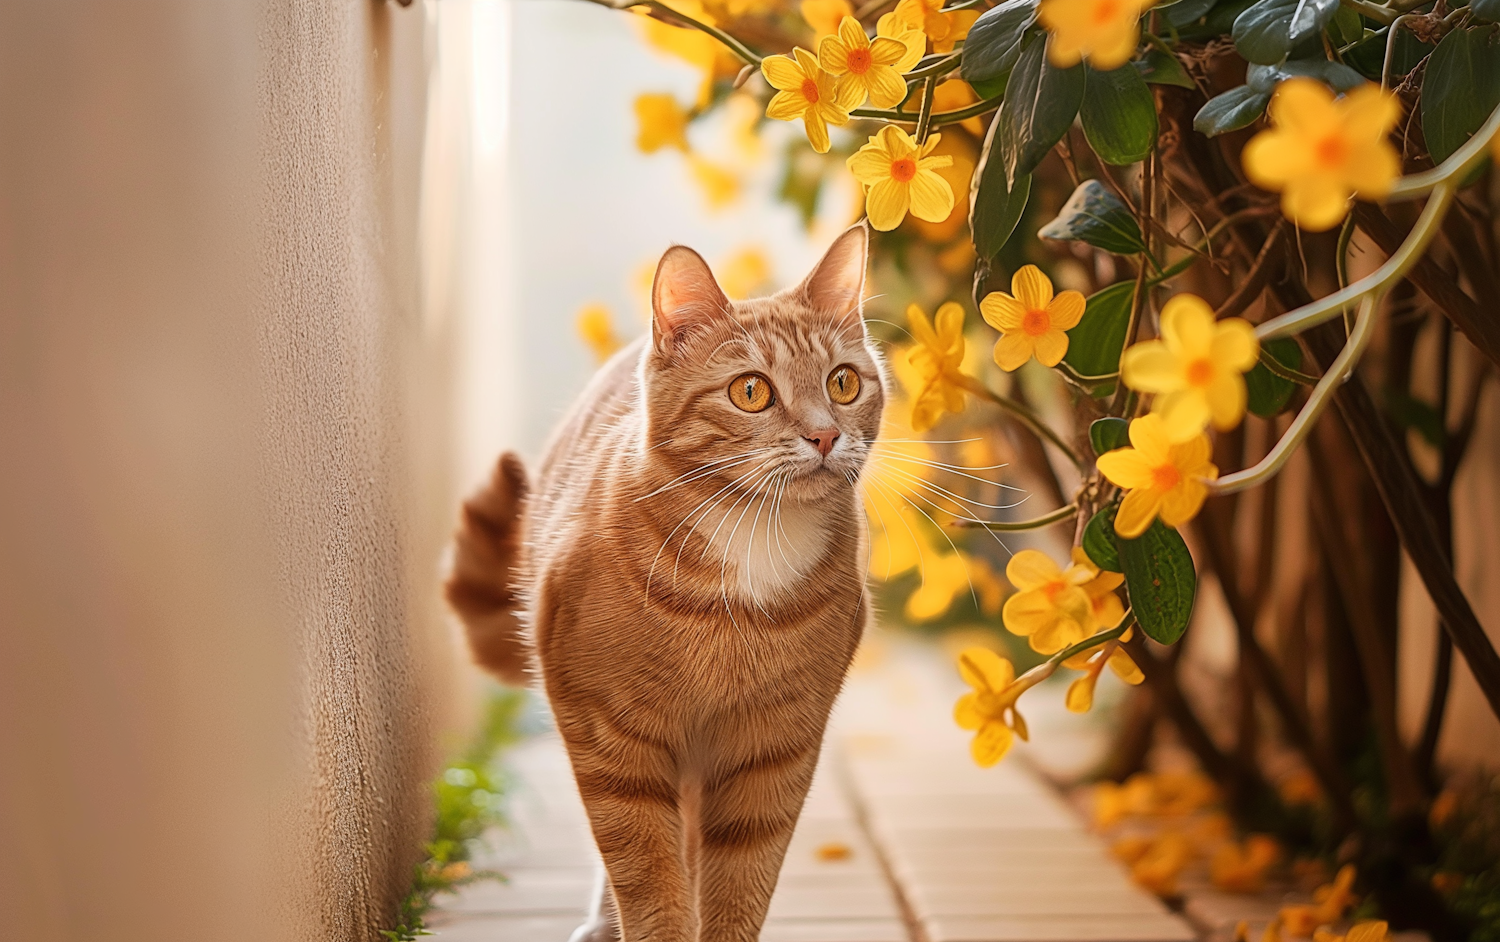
[684,293]
[838,281]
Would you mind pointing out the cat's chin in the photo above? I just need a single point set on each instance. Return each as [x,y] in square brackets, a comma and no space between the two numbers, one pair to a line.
[819,481]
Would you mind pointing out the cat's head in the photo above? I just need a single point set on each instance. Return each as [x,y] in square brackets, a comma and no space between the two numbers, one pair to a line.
[784,391]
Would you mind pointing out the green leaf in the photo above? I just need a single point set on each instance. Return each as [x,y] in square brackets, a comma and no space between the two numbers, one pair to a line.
[995,207]
[1161,581]
[1407,411]
[1368,55]
[1099,539]
[1118,115]
[1268,31]
[1094,345]
[1486,10]
[1268,393]
[1040,104]
[1109,433]
[990,88]
[1346,27]
[1265,78]
[994,41]
[1460,89]
[1184,12]
[1094,214]
[1164,68]
[1230,111]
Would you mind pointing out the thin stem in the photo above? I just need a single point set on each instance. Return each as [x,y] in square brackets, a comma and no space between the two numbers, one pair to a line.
[1286,372]
[671,17]
[1390,50]
[1374,11]
[940,67]
[1395,267]
[1341,368]
[1028,418]
[1036,523]
[924,119]
[1049,667]
[1466,158]
[938,120]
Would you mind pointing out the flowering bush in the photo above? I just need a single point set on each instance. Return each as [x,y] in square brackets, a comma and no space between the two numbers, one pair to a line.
[1230,201]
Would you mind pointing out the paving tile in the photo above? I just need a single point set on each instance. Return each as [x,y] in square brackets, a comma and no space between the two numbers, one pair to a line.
[1061,900]
[834,930]
[864,900]
[1058,929]
[505,929]
[531,891]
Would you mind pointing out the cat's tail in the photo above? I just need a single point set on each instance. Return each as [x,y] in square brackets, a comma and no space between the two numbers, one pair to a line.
[487,561]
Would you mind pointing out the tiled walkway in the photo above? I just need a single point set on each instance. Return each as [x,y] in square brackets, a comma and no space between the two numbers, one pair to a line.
[964,854]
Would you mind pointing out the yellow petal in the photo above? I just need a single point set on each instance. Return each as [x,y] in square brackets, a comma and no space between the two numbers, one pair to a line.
[1150,438]
[1027,613]
[1315,203]
[966,712]
[931,196]
[1031,569]
[1066,310]
[1116,48]
[870,164]
[1150,367]
[1187,325]
[1127,468]
[949,321]
[1013,350]
[1032,288]
[1125,668]
[887,90]
[1183,412]
[984,670]
[887,51]
[807,63]
[1136,512]
[1081,693]
[782,72]
[1304,105]
[1002,312]
[1368,931]
[1191,457]
[849,94]
[921,328]
[991,744]
[1050,347]
[1375,172]
[1182,503]
[1056,635]
[1234,345]
[786,106]
[887,203]
[833,55]
[1226,400]
[852,34]
[817,131]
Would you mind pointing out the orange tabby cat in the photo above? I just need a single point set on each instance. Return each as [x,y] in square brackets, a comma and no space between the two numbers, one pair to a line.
[692,586]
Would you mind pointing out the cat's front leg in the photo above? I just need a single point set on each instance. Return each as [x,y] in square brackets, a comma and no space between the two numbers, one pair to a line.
[749,814]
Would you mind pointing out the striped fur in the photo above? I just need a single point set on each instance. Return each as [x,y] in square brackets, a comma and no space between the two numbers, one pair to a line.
[694,589]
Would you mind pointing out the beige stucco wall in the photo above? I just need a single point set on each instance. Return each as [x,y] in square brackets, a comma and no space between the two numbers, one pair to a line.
[224,469]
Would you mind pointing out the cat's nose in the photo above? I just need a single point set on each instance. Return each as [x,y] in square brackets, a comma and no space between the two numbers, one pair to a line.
[823,439]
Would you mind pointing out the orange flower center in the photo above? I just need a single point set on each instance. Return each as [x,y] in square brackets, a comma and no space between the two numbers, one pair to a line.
[1165,476]
[1106,11]
[1331,151]
[810,90]
[1051,589]
[1035,323]
[903,170]
[1200,372]
[859,61]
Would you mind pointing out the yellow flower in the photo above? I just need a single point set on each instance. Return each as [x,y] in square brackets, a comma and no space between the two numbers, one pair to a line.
[1030,319]
[1158,865]
[987,585]
[1330,902]
[597,331]
[1105,32]
[824,16]
[867,67]
[1241,868]
[720,186]
[1050,608]
[695,47]
[1159,476]
[1369,930]
[660,122]
[937,356]
[1197,369]
[943,577]
[894,27]
[1319,151]
[806,90]
[990,710]
[944,29]
[902,176]
[743,272]
[1080,698]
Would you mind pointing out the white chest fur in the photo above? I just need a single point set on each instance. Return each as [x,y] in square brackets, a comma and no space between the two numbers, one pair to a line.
[767,547]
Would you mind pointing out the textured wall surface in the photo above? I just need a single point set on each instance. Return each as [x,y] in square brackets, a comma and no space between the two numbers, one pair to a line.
[224,470]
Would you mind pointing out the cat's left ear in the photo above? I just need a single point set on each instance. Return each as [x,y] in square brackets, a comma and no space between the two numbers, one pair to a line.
[837,283]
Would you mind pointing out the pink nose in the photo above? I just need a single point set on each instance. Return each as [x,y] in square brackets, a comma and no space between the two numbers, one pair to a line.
[823,439]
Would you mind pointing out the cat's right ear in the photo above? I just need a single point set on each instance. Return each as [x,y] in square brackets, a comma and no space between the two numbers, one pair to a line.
[684,297]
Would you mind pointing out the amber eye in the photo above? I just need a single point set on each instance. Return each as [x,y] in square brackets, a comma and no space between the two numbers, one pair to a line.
[751,392]
[843,385]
